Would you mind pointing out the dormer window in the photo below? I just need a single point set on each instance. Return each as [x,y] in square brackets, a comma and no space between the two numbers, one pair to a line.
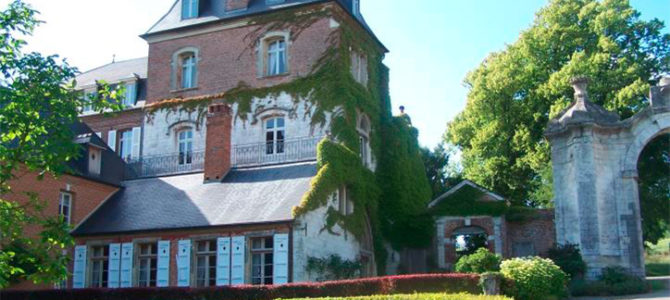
[189,9]
[274,136]
[88,103]
[276,57]
[130,98]
[356,7]
[94,160]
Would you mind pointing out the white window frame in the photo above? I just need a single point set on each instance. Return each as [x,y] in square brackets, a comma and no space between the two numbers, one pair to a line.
[189,69]
[262,253]
[104,271]
[185,146]
[130,97]
[152,259]
[278,56]
[192,9]
[364,140]
[88,105]
[209,266]
[62,204]
[126,144]
[275,146]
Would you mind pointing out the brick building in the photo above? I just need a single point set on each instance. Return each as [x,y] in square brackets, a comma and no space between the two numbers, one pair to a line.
[209,186]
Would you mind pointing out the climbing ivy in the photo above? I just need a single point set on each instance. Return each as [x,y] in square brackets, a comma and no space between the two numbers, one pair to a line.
[466,202]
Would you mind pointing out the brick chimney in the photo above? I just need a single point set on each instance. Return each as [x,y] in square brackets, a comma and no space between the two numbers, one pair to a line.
[236,4]
[217,144]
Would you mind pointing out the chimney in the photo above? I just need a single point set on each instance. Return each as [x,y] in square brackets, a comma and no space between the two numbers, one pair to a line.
[236,5]
[217,144]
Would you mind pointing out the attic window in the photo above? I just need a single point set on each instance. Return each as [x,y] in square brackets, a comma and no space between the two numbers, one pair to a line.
[356,7]
[189,9]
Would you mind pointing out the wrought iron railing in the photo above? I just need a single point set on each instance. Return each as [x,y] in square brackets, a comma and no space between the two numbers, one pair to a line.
[293,150]
[166,164]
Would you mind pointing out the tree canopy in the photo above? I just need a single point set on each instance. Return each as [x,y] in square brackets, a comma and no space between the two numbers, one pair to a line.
[515,92]
[38,104]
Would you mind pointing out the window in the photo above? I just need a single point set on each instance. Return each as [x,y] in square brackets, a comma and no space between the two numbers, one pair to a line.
[131,95]
[147,259]
[99,266]
[88,105]
[356,7]
[343,201]
[65,206]
[206,263]
[276,58]
[185,144]
[189,9]
[364,140]
[94,160]
[359,68]
[188,70]
[274,136]
[270,2]
[261,260]
[126,144]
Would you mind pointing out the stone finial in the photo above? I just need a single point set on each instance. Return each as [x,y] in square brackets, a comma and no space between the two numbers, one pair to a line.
[402,109]
[579,84]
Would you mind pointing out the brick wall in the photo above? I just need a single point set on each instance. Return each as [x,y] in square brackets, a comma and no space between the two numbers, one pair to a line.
[175,235]
[217,149]
[87,195]
[120,121]
[538,231]
[226,58]
[236,4]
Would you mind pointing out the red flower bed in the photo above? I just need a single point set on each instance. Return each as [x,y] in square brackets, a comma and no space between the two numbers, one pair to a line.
[355,287]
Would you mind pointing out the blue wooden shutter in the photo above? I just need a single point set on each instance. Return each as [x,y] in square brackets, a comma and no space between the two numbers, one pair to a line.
[237,270]
[223,261]
[163,268]
[184,263]
[280,259]
[126,265]
[114,265]
[79,272]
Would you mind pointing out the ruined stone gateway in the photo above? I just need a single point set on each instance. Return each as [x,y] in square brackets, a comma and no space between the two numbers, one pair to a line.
[594,157]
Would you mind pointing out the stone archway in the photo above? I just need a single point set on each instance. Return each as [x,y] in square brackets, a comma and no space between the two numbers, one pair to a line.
[594,159]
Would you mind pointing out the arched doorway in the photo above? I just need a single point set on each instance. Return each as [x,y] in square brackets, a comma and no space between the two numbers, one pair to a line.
[594,159]
[468,239]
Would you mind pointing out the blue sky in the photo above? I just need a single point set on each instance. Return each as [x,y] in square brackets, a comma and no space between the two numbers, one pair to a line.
[432,43]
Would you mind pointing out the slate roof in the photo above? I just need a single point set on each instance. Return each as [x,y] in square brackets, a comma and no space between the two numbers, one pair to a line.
[113,72]
[245,196]
[112,168]
[215,11]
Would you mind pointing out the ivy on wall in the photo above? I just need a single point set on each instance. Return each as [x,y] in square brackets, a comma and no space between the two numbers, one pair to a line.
[467,202]
[333,268]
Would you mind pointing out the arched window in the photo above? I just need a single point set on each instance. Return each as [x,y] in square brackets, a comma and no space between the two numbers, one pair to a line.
[185,145]
[185,69]
[276,57]
[364,140]
[274,135]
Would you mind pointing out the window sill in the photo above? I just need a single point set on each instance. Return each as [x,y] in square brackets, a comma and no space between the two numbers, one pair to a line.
[286,74]
[184,90]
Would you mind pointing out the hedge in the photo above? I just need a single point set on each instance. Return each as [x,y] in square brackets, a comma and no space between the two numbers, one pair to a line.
[416,297]
[403,284]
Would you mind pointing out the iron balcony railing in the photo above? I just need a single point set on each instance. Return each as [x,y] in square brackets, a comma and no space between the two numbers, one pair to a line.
[290,150]
[166,164]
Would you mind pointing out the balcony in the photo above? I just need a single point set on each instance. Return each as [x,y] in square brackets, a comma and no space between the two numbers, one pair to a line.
[165,164]
[258,154]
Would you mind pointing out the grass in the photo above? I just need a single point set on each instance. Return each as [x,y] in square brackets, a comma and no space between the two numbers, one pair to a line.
[425,296]
[657,258]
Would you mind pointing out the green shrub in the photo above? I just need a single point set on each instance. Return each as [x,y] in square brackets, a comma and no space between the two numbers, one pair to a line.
[568,258]
[534,278]
[479,262]
[415,297]
[614,281]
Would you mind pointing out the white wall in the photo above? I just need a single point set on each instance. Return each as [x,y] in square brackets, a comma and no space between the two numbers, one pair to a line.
[160,138]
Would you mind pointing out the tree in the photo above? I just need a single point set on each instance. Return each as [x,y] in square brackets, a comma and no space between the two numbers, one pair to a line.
[436,162]
[654,171]
[515,92]
[37,107]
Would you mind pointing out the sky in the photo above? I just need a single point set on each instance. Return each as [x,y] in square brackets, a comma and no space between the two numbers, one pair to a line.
[433,43]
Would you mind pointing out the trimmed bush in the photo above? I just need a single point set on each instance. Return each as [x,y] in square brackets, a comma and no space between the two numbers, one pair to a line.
[568,258]
[405,284]
[417,297]
[614,281]
[534,278]
[479,262]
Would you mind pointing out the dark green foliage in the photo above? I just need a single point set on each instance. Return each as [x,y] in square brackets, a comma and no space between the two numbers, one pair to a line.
[568,258]
[405,189]
[613,281]
[657,269]
[333,268]
[479,262]
[473,242]
[654,186]
[435,163]
[465,202]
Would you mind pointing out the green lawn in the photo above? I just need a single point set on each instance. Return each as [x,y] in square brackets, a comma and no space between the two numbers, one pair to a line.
[657,258]
[415,297]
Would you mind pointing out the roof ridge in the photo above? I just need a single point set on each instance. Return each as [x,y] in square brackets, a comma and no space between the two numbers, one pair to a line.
[112,63]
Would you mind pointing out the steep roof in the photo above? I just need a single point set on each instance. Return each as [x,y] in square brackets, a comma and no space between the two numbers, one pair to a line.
[113,72]
[216,11]
[487,195]
[112,168]
[245,196]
